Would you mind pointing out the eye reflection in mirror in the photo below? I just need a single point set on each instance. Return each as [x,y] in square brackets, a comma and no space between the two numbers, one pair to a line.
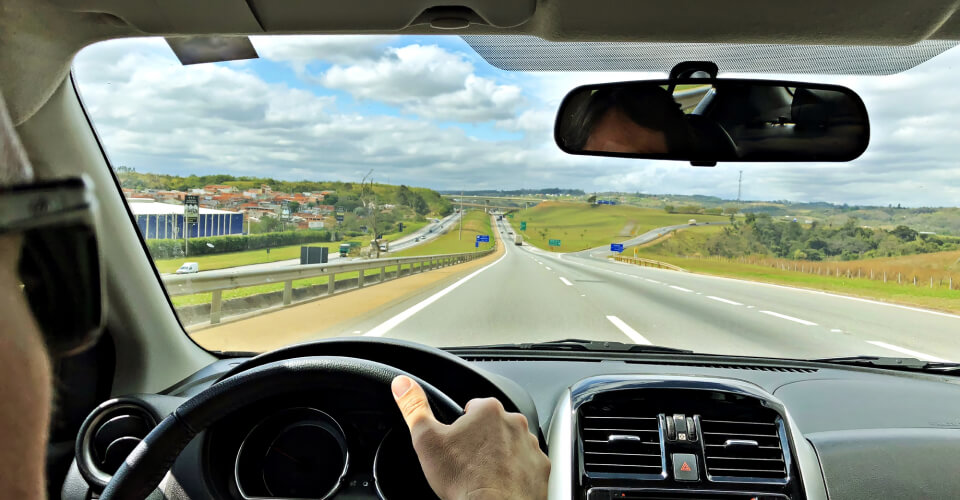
[716,120]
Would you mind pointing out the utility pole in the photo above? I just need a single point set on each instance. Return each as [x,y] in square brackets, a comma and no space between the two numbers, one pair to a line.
[460,232]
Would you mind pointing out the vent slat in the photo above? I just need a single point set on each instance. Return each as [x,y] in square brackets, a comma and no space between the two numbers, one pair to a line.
[637,450]
[763,462]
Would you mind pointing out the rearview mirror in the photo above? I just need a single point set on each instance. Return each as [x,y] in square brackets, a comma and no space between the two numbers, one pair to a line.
[709,120]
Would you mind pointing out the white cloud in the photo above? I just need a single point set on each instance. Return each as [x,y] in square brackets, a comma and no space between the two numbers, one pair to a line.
[156,115]
[429,81]
[300,50]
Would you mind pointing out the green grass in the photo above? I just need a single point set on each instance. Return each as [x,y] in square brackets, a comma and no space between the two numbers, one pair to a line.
[580,226]
[922,296]
[682,250]
[234,259]
[474,222]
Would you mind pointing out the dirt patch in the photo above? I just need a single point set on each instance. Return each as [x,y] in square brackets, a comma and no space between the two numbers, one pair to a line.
[627,230]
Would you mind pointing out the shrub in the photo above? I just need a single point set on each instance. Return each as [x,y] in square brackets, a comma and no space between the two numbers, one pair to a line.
[168,249]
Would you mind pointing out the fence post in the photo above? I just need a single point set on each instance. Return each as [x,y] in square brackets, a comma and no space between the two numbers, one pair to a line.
[884,276]
[215,301]
[383,273]
[360,278]
[287,292]
[331,283]
[898,279]
[931,282]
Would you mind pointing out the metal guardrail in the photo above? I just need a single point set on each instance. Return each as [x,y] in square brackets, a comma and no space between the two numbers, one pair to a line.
[648,263]
[215,282]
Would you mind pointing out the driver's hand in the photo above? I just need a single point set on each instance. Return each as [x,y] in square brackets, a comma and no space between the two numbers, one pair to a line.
[486,454]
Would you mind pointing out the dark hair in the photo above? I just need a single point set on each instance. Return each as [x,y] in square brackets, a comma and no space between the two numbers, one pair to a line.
[647,105]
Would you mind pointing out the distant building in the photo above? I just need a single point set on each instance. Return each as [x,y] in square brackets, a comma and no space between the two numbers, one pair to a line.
[165,221]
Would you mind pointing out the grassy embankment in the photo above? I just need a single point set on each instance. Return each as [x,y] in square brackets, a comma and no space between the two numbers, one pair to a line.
[474,223]
[580,226]
[863,278]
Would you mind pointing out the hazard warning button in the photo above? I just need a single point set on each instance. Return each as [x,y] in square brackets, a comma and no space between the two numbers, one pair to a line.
[685,467]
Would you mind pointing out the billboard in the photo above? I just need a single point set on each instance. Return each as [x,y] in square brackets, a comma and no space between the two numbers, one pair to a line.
[285,209]
[191,208]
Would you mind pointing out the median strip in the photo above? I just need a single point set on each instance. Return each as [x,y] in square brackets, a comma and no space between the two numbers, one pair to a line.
[789,318]
[629,332]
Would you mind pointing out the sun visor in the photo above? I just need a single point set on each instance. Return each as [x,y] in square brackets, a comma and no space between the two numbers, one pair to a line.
[207,49]
[528,53]
[377,15]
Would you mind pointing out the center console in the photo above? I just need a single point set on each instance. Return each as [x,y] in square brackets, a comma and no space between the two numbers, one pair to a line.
[645,437]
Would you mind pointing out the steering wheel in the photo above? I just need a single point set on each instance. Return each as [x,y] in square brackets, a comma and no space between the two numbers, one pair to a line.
[146,465]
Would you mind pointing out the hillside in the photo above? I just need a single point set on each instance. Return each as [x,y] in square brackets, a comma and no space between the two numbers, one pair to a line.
[346,194]
[580,226]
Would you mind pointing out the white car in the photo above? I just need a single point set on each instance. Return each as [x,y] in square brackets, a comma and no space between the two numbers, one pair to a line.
[189,268]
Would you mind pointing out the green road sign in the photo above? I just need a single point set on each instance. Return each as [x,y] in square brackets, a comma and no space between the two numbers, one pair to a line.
[523,225]
[554,243]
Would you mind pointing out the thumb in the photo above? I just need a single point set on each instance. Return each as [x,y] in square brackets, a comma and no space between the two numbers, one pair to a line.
[412,402]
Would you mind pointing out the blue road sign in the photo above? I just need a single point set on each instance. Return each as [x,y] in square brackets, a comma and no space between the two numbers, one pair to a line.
[616,247]
[483,238]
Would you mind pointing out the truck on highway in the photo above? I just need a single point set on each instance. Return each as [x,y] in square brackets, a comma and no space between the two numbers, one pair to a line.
[518,240]
[344,249]
[692,222]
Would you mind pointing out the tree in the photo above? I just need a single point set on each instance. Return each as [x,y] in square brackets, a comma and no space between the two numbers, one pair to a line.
[294,206]
[669,209]
[904,233]
[592,199]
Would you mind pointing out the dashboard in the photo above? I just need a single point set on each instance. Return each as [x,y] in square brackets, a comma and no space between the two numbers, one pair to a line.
[614,426]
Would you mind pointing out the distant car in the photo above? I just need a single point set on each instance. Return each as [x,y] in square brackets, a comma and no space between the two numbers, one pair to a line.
[189,268]
[510,233]
[692,222]
[383,247]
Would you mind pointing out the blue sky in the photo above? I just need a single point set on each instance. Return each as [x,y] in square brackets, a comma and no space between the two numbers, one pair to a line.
[428,111]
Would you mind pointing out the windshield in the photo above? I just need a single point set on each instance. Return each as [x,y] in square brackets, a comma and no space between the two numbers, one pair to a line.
[404,187]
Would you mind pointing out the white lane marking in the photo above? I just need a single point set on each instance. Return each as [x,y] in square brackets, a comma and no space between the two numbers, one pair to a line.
[653,281]
[725,301]
[902,350]
[789,318]
[582,295]
[836,330]
[629,332]
[699,293]
[402,316]
[548,268]
[538,262]
[565,281]
[358,331]
[682,289]
[751,307]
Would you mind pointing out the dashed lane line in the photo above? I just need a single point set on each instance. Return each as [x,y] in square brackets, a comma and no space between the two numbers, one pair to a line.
[629,332]
[789,318]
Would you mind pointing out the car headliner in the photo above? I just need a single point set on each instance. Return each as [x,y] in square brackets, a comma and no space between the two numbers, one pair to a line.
[38,38]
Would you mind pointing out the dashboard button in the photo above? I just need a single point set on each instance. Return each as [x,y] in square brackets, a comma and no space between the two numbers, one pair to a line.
[685,467]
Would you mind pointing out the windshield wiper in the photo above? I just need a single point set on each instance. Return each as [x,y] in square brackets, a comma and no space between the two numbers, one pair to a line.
[583,345]
[893,363]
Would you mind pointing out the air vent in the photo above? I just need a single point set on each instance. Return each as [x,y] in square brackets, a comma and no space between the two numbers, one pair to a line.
[618,441]
[109,434]
[747,448]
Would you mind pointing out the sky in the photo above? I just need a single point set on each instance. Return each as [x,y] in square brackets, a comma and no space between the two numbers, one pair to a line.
[428,111]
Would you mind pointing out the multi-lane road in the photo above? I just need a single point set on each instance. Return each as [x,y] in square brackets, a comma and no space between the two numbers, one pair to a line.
[530,295]
[418,237]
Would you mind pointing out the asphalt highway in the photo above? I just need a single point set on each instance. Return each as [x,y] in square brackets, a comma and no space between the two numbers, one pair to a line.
[531,295]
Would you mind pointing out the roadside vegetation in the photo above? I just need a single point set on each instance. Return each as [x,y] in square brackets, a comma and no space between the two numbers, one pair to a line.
[475,222]
[580,226]
[930,280]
